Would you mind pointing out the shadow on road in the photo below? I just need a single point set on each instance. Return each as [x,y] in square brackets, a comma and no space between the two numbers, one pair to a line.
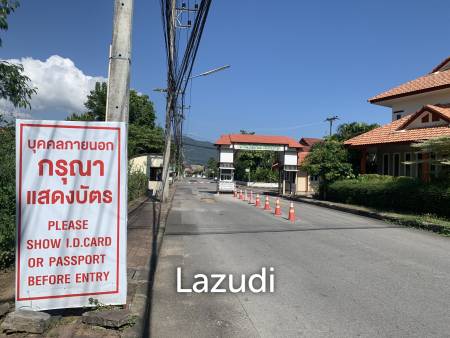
[153,261]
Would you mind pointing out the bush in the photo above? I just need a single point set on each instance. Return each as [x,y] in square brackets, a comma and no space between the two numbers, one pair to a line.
[392,193]
[137,184]
[265,175]
[7,195]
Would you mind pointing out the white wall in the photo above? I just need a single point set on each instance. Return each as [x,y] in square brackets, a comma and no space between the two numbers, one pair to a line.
[417,123]
[156,161]
[226,156]
[411,104]
[258,184]
[290,158]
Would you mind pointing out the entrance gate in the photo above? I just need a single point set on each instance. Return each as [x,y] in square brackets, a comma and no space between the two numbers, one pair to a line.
[286,147]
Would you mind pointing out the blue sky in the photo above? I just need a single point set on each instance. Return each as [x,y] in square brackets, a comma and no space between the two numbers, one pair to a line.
[293,63]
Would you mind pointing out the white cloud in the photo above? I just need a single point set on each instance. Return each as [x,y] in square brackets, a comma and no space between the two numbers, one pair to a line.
[61,87]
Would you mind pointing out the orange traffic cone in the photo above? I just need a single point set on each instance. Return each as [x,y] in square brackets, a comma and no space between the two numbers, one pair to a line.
[291,212]
[266,204]
[257,201]
[241,196]
[250,201]
[277,208]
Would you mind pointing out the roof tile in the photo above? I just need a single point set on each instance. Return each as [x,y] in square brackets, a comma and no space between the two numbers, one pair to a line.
[393,132]
[429,82]
[264,139]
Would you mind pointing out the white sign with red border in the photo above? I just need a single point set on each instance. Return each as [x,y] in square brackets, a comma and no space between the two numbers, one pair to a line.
[71,183]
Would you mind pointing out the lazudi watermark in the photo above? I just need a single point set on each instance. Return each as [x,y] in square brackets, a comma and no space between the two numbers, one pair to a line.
[221,283]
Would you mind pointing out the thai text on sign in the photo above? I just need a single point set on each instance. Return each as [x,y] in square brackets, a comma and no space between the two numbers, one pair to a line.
[71,213]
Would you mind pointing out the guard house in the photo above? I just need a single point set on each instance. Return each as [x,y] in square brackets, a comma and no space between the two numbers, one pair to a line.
[286,147]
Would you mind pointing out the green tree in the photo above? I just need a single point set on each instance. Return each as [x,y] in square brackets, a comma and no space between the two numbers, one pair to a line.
[7,193]
[144,140]
[143,136]
[347,131]
[260,165]
[212,167]
[14,86]
[440,148]
[328,160]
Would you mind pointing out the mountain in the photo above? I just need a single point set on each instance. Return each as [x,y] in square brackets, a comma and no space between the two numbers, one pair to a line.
[198,152]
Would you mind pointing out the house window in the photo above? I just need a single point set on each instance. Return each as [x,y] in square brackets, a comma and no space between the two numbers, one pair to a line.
[435,117]
[426,118]
[225,175]
[155,174]
[398,114]
[407,165]
[396,164]
[385,164]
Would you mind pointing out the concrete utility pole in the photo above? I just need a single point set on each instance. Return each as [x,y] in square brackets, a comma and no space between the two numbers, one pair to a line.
[170,106]
[118,95]
[331,120]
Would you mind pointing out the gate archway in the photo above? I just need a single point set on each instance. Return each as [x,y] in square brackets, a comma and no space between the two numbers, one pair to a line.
[286,147]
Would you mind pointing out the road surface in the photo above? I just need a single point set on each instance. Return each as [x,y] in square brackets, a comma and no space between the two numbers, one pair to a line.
[336,274]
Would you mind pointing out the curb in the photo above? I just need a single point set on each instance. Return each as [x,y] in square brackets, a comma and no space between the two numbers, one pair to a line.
[372,214]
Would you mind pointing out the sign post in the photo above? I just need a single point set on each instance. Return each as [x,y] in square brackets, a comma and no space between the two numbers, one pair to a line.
[71,182]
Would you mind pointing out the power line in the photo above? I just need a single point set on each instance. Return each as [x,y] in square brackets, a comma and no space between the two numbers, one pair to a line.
[178,73]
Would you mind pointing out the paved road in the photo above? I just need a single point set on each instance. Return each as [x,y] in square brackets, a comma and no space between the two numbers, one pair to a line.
[336,274]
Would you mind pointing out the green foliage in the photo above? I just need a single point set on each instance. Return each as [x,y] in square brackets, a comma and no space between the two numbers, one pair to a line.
[328,160]
[14,86]
[260,165]
[212,167]
[144,140]
[264,175]
[347,131]
[95,105]
[141,110]
[143,136]
[439,146]
[392,193]
[137,184]
[6,8]
[7,194]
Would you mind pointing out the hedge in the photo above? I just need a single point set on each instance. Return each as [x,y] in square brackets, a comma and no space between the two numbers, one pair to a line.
[393,193]
[137,184]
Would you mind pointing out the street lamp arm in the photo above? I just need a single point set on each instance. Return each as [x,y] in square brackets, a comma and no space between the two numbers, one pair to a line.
[210,71]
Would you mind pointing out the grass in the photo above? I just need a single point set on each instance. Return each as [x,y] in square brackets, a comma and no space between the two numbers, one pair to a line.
[429,222]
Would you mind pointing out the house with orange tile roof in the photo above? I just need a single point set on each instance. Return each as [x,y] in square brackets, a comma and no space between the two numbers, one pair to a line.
[420,111]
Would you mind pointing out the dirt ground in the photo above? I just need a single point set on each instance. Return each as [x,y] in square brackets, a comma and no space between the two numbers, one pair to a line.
[7,286]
